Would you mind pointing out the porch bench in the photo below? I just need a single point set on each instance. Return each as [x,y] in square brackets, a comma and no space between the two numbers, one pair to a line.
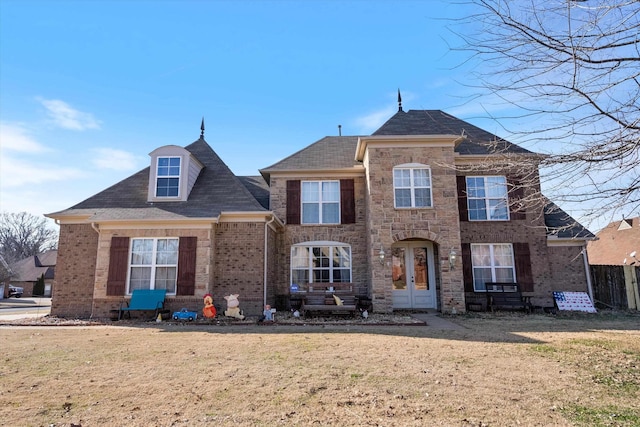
[506,296]
[143,300]
[320,299]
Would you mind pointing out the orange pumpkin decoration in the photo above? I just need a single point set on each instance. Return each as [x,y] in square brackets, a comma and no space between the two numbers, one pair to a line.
[209,310]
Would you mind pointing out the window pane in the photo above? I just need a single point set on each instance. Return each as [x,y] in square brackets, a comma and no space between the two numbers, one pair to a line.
[477,209]
[481,255]
[496,186]
[330,192]
[475,187]
[402,177]
[498,209]
[300,257]
[310,213]
[166,279]
[342,275]
[421,178]
[167,187]
[341,257]
[480,277]
[321,276]
[504,275]
[310,192]
[423,197]
[330,213]
[300,278]
[142,251]
[403,198]
[140,278]
[167,252]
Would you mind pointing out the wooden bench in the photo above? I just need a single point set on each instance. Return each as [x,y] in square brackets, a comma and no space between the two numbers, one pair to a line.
[143,300]
[506,296]
[320,299]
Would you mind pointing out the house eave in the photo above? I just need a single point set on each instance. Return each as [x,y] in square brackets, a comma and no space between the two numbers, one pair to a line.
[384,141]
[567,241]
[355,171]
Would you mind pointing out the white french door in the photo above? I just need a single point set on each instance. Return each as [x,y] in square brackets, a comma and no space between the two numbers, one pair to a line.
[414,278]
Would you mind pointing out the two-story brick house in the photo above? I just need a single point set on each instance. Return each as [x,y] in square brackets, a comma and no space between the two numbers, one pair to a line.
[418,215]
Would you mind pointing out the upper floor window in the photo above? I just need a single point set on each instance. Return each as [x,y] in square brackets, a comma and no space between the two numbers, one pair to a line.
[320,262]
[168,177]
[320,202]
[492,263]
[412,187]
[487,198]
[153,264]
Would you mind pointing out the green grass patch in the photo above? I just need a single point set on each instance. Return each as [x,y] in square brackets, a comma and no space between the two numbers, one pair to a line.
[600,417]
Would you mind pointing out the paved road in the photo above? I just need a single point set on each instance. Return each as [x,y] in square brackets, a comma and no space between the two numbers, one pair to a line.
[25,307]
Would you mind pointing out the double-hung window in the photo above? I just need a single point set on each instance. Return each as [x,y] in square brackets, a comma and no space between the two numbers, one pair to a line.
[320,202]
[487,198]
[168,177]
[412,187]
[492,262]
[320,262]
[153,264]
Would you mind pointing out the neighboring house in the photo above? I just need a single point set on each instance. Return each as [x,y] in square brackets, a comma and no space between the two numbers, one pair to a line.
[26,272]
[615,243]
[411,215]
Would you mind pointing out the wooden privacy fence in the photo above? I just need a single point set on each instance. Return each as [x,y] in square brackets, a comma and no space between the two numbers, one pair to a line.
[616,286]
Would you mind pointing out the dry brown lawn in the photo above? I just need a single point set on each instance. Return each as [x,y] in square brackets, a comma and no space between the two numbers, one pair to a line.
[501,370]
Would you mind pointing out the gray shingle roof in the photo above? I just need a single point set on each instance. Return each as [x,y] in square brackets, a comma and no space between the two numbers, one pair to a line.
[561,225]
[437,122]
[216,190]
[336,152]
[331,152]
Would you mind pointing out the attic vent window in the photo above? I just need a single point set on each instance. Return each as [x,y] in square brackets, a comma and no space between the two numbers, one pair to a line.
[168,177]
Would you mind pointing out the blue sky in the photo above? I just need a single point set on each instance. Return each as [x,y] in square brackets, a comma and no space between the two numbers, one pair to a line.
[89,88]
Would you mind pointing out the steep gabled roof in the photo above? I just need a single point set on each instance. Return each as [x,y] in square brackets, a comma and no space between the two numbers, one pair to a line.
[561,225]
[437,122]
[216,190]
[330,152]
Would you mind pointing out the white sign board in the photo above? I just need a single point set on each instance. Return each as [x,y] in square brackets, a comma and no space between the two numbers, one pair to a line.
[574,301]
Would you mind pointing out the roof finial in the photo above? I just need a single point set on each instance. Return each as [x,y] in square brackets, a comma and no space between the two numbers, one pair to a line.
[399,100]
[202,128]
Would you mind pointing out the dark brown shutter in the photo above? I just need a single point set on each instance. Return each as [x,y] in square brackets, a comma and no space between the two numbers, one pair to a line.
[186,266]
[463,210]
[523,266]
[118,264]
[516,195]
[293,202]
[467,267]
[347,201]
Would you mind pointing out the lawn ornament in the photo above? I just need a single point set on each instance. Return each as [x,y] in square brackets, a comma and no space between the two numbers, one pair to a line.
[209,310]
[185,314]
[233,307]
[267,314]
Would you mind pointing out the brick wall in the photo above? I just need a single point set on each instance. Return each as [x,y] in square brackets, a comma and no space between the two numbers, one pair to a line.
[75,271]
[387,225]
[352,234]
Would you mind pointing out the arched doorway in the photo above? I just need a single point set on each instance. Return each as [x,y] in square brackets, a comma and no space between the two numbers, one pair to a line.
[414,275]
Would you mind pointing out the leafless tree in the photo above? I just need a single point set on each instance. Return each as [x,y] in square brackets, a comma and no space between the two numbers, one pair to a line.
[570,70]
[23,235]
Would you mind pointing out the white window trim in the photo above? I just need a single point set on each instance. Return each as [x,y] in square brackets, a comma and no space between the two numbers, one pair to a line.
[320,202]
[179,176]
[310,268]
[493,265]
[153,265]
[487,198]
[411,167]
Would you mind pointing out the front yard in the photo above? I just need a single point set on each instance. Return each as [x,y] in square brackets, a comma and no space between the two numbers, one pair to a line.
[498,370]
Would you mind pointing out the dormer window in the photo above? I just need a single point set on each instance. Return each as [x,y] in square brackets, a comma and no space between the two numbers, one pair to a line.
[168,177]
[172,174]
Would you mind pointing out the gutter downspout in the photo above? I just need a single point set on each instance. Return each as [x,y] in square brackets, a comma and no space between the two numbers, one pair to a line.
[264,283]
[97,230]
[587,272]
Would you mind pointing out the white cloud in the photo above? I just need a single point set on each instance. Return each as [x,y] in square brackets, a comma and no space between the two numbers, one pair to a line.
[14,137]
[109,158]
[67,117]
[15,172]
[372,121]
